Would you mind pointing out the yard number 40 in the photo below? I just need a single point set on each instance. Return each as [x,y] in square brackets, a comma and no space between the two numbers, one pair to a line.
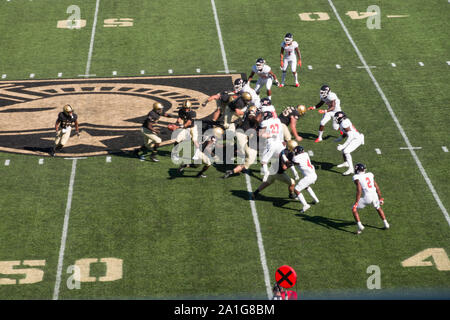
[439,256]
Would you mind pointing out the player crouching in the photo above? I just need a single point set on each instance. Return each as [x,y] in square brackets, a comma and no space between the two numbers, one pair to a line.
[371,194]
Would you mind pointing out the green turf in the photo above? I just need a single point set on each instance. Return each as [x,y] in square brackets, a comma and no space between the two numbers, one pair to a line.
[183,237]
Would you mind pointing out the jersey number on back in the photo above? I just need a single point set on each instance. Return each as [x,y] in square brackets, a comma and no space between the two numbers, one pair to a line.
[369,183]
[274,128]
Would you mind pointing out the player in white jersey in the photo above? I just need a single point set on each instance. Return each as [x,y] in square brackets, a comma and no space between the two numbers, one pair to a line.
[272,131]
[288,55]
[244,86]
[354,140]
[303,163]
[367,192]
[267,106]
[334,105]
[265,76]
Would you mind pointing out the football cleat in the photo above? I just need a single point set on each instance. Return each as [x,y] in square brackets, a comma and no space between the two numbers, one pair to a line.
[324,91]
[360,229]
[281,85]
[305,208]
[318,140]
[348,172]
[201,175]
[343,165]
[386,224]
[297,84]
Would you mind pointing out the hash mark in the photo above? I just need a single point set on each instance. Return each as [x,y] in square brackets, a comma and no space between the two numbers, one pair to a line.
[7,162]
[60,75]
[114,73]
[421,64]
[444,147]
[310,67]
[3,76]
[198,70]
[311,153]
[41,161]
[393,64]
[378,151]
[338,66]
[170,71]
[108,159]
[142,71]
[32,75]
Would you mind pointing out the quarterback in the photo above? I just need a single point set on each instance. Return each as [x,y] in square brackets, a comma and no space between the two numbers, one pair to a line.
[367,192]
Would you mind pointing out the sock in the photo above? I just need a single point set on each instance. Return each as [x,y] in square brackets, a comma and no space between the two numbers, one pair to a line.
[348,158]
[296,78]
[320,134]
[283,76]
[360,225]
[301,198]
[313,195]
[270,97]
[385,222]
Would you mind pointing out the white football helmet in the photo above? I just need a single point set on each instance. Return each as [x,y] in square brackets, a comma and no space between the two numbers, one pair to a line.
[324,91]
[238,84]
[288,38]
[260,63]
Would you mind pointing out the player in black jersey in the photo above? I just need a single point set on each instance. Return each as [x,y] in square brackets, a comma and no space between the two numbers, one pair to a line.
[63,127]
[284,163]
[150,133]
[289,117]
[222,99]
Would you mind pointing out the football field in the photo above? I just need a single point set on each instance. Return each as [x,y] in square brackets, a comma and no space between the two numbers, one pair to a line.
[96,222]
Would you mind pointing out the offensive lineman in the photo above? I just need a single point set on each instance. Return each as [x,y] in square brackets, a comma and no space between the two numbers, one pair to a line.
[334,105]
[354,140]
[302,161]
[371,194]
[63,127]
[265,77]
[288,55]
[289,117]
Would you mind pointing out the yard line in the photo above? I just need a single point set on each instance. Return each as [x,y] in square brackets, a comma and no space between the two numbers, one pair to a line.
[91,45]
[64,232]
[394,117]
[262,252]
[219,34]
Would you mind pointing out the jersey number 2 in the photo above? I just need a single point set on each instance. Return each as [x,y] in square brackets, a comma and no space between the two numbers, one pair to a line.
[369,185]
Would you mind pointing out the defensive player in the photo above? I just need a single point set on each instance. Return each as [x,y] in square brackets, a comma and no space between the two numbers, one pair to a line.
[241,86]
[150,133]
[289,117]
[63,127]
[334,105]
[354,140]
[284,162]
[367,187]
[265,76]
[303,163]
[288,55]
[245,136]
[272,131]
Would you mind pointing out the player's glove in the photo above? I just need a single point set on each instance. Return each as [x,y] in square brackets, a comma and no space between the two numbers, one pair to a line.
[340,147]
[311,108]
[381,201]
[322,111]
[299,63]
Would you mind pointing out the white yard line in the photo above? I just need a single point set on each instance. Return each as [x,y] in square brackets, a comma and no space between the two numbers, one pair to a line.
[219,34]
[64,231]
[262,252]
[394,117]
[91,45]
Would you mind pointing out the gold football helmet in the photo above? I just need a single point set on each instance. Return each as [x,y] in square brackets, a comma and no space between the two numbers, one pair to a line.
[67,109]
[246,96]
[157,107]
[301,109]
[218,132]
[291,145]
[186,104]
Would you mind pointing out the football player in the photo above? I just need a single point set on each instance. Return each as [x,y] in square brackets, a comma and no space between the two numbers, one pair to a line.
[265,77]
[207,156]
[222,99]
[241,86]
[284,162]
[367,187]
[236,110]
[250,121]
[63,127]
[289,117]
[150,133]
[266,105]
[354,140]
[302,161]
[334,105]
[185,121]
[272,131]
[288,55]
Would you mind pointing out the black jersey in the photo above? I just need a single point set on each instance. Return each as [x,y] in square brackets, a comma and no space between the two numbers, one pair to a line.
[287,113]
[67,120]
[151,118]
[249,121]
[225,97]
[187,115]
[238,103]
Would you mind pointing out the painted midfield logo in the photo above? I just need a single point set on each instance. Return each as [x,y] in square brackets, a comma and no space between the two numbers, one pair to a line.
[110,110]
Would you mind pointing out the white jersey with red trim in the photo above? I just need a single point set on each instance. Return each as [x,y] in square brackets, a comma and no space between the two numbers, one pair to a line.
[274,128]
[346,123]
[330,98]
[289,49]
[303,162]
[366,180]
[264,73]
